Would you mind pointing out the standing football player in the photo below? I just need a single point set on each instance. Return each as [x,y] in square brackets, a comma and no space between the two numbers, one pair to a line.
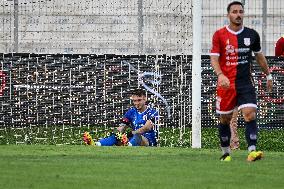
[231,59]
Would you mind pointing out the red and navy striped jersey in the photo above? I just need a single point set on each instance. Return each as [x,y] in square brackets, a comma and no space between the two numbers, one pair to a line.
[235,53]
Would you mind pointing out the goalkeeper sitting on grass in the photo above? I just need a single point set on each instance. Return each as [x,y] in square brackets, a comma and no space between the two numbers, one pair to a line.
[136,127]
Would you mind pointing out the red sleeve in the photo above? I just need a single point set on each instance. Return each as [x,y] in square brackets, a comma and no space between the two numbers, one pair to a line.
[215,50]
[279,47]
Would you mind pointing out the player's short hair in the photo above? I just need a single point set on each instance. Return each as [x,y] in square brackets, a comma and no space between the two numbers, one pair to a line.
[234,3]
[139,92]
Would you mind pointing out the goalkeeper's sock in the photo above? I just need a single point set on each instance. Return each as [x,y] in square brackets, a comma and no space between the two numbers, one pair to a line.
[109,141]
[135,140]
[224,135]
[251,134]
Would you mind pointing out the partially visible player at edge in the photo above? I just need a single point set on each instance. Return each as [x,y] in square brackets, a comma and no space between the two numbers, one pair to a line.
[231,59]
[141,119]
[279,47]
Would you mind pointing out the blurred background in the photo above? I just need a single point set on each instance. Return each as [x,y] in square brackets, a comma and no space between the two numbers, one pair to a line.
[125,26]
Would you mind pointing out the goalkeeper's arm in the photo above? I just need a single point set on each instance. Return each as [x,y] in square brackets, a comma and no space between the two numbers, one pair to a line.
[147,127]
[123,125]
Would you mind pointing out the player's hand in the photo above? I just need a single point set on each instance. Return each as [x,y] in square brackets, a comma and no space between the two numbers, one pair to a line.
[121,129]
[269,85]
[223,81]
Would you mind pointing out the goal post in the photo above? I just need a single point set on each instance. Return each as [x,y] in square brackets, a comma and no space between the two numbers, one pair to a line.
[196,75]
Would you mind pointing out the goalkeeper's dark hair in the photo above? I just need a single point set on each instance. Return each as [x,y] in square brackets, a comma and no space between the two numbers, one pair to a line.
[234,3]
[139,92]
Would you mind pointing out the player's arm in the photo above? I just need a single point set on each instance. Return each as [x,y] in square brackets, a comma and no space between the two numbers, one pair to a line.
[147,127]
[123,125]
[215,64]
[152,119]
[223,81]
[261,60]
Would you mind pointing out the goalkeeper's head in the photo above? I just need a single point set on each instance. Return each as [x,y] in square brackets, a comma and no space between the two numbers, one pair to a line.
[138,92]
[139,99]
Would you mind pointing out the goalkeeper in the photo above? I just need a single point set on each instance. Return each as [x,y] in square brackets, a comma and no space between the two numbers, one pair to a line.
[137,127]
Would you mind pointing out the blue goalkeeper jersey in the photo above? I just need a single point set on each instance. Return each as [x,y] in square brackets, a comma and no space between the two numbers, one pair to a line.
[138,120]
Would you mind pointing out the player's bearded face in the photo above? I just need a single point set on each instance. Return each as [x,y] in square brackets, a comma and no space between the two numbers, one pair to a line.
[139,102]
[236,15]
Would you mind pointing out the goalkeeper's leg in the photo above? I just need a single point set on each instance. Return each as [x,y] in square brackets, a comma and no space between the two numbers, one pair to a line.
[138,140]
[112,139]
[109,141]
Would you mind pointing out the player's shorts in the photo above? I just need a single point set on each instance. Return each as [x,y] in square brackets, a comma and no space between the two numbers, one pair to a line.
[228,99]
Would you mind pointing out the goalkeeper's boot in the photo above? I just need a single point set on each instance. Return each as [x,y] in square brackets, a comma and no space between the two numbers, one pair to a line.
[124,140]
[225,157]
[87,138]
[255,155]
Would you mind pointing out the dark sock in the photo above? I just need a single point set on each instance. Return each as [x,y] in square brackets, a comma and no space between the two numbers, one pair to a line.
[224,134]
[251,133]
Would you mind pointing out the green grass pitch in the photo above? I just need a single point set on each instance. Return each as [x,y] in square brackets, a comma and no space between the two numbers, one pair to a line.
[78,166]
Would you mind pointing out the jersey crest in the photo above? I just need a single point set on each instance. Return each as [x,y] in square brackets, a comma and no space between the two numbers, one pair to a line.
[247,41]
